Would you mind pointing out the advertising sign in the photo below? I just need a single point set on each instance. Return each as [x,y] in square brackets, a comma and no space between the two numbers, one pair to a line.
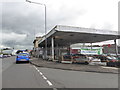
[91,51]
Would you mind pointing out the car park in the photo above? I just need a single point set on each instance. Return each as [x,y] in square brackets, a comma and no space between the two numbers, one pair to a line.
[22,57]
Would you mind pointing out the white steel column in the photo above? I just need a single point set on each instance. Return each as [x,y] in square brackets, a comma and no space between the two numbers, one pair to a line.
[57,52]
[83,45]
[116,48]
[52,41]
[91,46]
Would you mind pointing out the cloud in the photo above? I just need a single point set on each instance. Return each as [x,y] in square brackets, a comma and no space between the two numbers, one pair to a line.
[25,21]
[20,19]
[13,36]
[9,39]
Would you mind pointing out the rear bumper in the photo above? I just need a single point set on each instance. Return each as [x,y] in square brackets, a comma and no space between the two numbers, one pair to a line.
[19,59]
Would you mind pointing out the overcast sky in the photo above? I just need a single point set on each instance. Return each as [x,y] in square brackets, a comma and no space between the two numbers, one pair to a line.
[23,21]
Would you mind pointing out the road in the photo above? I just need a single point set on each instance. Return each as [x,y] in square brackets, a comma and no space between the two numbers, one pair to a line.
[25,75]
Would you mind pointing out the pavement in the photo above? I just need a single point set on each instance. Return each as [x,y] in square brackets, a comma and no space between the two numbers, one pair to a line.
[74,67]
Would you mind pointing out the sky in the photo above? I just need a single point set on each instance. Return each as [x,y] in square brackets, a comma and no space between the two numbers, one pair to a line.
[21,21]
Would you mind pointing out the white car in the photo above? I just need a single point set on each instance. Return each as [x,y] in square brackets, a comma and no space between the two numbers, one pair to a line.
[96,61]
[1,55]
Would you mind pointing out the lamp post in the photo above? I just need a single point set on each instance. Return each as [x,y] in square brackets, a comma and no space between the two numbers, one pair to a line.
[45,25]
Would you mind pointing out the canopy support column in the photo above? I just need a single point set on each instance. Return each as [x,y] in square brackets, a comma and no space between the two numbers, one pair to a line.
[116,48]
[57,51]
[91,46]
[83,45]
[52,42]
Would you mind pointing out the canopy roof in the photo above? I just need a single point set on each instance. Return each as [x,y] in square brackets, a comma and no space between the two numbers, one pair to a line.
[66,35]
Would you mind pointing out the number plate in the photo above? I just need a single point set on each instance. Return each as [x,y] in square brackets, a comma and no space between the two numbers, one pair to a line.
[22,59]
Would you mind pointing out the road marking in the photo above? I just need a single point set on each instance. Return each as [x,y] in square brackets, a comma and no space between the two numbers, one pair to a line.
[41,73]
[34,66]
[38,70]
[49,83]
[44,77]
[109,67]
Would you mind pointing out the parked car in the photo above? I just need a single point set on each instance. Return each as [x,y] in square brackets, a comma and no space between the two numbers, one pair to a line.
[103,58]
[118,57]
[66,59]
[95,61]
[113,61]
[1,55]
[80,58]
[22,57]
[9,55]
[5,55]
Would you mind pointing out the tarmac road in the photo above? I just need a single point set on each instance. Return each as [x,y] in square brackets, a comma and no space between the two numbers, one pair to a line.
[21,75]
[25,75]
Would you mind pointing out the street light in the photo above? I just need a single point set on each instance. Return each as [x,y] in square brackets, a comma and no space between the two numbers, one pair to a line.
[45,25]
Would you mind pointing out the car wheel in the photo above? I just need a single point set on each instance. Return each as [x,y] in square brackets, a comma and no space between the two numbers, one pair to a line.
[86,63]
[107,64]
[17,62]
[73,62]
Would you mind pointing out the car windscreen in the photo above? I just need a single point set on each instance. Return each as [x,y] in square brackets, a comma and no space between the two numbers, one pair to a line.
[114,58]
[110,58]
[23,54]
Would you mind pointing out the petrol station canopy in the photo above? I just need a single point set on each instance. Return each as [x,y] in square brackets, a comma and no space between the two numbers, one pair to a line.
[66,35]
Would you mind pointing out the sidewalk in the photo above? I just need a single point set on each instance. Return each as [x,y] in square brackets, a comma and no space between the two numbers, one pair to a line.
[75,67]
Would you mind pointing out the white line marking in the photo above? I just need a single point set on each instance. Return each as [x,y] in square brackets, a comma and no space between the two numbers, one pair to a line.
[50,84]
[44,77]
[110,67]
[38,70]
[34,66]
[41,73]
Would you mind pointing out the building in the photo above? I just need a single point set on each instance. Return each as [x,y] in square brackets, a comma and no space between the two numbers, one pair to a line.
[36,51]
[110,49]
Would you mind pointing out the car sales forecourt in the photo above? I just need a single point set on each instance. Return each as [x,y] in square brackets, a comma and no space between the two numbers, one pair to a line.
[60,39]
